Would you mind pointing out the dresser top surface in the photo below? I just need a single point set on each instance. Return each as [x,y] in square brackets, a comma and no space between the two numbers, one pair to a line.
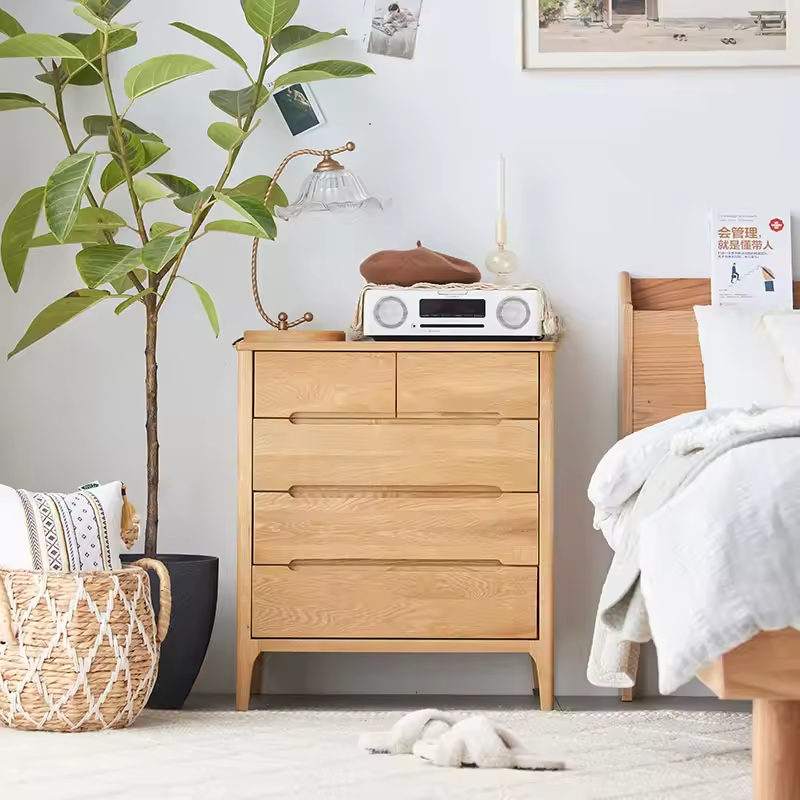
[289,344]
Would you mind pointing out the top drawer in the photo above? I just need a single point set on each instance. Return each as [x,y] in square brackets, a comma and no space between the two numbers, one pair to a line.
[289,383]
[503,384]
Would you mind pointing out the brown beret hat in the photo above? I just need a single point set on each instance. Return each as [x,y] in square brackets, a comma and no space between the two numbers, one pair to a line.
[420,265]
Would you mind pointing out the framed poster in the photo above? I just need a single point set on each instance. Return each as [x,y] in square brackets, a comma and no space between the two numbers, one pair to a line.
[614,34]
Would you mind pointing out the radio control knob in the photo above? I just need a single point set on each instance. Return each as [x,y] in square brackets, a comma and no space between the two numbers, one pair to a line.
[390,312]
[514,313]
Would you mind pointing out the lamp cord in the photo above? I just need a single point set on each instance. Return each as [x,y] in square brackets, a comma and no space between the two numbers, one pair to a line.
[256,241]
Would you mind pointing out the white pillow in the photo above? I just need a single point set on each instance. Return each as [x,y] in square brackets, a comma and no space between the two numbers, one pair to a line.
[742,365]
[784,329]
[61,532]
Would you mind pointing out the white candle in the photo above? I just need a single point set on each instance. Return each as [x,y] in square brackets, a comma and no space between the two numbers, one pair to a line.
[501,201]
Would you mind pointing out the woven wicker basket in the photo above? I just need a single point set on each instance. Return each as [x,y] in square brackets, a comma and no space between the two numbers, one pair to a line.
[79,651]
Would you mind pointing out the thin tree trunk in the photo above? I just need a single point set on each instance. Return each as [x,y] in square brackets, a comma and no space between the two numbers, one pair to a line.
[151,425]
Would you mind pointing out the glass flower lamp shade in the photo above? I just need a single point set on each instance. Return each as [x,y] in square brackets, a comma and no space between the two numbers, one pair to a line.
[330,187]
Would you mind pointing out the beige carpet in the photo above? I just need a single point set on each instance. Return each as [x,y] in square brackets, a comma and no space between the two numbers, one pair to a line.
[295,755]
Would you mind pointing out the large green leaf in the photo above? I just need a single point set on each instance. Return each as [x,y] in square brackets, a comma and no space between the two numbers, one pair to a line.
[160,71]
[83,236]
[267,17]
[295,37]
[38,45]
[98,219]
[148,191]
[159,252]
[257,187]
[86,72]
[236,226]
[253,211]
[58,314]
[9,26]
[64,192]
[110,8]
[177,185]
[107,262]
[125,304]
[213,41]
[192,202]
[226,135]
[18,233]
[238,103]
[158,229]
[322,71]
[9,101]
[208,305]
[98,125]
[113,176]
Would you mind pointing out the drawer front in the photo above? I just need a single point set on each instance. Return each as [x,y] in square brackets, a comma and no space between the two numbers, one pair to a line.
[506,384]
[403,601]
[324,383]
[501,455]
[500,528]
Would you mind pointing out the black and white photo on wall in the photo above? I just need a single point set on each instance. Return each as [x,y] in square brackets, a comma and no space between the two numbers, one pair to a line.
[394,27]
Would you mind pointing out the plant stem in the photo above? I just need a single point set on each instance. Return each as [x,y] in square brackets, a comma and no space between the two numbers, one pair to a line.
[151,423]
[115,121]
[171,268]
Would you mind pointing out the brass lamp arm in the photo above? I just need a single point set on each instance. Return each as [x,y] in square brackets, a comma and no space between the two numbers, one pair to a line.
[283,323]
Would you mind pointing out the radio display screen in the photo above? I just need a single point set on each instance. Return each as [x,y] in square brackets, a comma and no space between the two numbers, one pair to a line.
[444,307]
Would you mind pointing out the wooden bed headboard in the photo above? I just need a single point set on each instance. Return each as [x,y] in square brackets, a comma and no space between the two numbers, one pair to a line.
[661,370]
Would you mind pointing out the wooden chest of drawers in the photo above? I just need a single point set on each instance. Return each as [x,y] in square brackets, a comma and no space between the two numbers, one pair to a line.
[395,497]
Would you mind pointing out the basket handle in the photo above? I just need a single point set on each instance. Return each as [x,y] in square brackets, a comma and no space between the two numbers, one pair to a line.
[6,630]
[165,594]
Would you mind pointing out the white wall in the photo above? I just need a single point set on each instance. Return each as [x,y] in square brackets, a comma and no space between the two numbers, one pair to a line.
[610,171]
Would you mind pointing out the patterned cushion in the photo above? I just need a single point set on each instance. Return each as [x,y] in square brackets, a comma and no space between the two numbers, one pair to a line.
[61,532]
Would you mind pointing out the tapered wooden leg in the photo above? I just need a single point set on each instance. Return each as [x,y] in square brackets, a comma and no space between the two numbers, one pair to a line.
[544,679]
[245,661]
[258,674]
[776,749]
[626,695]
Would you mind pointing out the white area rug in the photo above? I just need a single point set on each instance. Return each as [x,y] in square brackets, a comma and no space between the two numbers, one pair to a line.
[295,755]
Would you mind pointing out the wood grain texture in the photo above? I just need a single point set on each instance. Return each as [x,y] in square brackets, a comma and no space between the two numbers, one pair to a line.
[506,384]
[246,654]
[334,383]
[677,294]
[544,651]
[399,347]
[502,528]
[407,600]
[501,454]
[767,666]
[776,749]
[668,374]
[392,645]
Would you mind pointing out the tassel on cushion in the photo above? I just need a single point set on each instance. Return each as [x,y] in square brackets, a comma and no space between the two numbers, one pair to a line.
[129,529]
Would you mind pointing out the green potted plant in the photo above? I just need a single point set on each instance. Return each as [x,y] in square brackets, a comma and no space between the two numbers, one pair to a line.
[133,261]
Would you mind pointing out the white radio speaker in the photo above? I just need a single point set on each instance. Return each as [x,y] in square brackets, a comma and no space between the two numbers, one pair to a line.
[489,314]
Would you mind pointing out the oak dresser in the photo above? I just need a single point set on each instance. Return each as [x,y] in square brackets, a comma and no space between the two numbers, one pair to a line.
[395,497]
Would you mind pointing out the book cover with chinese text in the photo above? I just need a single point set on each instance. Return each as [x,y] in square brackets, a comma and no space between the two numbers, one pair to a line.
[751,259]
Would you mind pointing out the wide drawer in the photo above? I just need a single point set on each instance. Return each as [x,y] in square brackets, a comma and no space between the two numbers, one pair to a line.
[505,384]
[423,526]
[500,454]
[403,601]
[291,383]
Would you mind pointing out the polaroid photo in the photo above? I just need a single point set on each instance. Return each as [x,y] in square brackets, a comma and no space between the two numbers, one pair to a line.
[394,28]
[299,108]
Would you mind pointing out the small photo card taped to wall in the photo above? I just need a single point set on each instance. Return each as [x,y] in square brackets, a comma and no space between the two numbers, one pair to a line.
[751,260]
[299,108]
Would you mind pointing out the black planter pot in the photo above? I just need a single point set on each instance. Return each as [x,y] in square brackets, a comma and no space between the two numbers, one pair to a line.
[195,580]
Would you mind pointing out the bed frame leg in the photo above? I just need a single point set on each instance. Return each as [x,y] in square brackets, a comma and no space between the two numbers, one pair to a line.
[776,749]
